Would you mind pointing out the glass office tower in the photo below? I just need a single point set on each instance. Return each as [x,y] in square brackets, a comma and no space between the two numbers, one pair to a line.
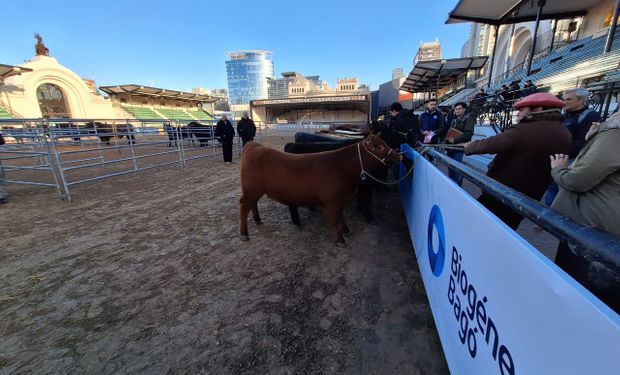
[247,73]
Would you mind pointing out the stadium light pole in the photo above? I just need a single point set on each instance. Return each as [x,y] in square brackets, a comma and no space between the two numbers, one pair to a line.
[612,28]
[555,26]
[541,4]
[493,55]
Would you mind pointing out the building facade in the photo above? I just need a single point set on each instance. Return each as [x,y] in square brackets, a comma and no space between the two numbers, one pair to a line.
[428,51]
[248,73]
[294,84]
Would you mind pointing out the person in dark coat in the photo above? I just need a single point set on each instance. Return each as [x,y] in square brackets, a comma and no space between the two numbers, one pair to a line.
[529,88]
[578,118]
[246,129]
[464,123]
[226,134]
[522,152]
[514,91]
[403,127]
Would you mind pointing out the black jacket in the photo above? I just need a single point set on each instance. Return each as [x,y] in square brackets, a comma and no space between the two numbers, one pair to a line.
[246,129]
[225,131]
[404,128]
[579,129]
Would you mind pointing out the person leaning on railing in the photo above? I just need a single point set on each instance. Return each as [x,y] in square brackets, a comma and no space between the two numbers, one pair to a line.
[590,195]
[529,88]
[522,152]
[460,131]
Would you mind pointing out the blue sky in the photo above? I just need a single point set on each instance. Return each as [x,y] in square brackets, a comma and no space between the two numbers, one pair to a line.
[181,44]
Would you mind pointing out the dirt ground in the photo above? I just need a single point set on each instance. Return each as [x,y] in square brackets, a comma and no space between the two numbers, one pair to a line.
[145,274]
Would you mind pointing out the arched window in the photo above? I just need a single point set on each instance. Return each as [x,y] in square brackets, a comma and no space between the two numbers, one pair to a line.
[52,101]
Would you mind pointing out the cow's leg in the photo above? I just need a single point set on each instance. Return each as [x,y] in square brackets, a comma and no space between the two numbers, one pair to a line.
[255,214]
[246,203]
[343,224]
[244,209]
[332,214]
[294,211]
[364,200]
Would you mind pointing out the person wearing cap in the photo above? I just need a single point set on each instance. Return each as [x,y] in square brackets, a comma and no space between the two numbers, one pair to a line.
[522,152]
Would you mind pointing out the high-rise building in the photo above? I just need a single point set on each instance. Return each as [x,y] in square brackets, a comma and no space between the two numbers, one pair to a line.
[397,73]
[248,72]
[428,51]
[480,41]
[278,87]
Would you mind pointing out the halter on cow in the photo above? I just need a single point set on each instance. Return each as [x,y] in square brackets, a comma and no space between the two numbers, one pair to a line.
[325,179]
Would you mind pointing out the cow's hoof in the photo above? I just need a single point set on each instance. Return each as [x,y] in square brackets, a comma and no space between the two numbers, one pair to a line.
[244,238]
[340,244]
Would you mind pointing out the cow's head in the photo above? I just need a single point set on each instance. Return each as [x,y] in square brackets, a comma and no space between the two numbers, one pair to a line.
[375,145]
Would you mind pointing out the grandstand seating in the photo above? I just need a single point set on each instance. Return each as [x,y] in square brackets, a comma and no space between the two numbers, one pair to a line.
[459,97]
[4,113]
[199,114]
[141,112]
[568,66]
[174,114]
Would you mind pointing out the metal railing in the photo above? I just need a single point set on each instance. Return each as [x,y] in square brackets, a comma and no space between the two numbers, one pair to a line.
[61,153]
[592,244]
[495,110]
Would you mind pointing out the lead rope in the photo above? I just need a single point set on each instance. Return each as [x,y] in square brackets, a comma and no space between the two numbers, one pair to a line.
[364,174]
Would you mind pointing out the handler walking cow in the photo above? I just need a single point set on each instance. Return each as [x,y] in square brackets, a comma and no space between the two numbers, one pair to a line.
[324,179]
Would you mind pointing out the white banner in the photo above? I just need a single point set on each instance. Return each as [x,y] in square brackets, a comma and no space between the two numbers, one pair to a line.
[500,306]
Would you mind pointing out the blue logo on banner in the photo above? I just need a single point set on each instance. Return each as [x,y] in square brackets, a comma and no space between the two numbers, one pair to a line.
[436,258]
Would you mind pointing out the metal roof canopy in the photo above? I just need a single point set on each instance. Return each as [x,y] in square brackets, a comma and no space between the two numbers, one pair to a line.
[500,12]
[436,74]
[154,92]
[11,70]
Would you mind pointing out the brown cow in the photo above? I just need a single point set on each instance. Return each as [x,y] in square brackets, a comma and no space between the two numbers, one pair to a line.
[325,179]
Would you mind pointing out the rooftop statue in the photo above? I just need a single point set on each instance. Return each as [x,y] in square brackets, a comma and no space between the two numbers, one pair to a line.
[40,48]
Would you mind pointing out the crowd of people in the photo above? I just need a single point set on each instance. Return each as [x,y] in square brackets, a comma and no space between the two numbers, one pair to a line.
[557,152]
[503,97]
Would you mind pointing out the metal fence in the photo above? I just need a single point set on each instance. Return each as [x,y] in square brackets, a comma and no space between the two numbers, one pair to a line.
[61,153]
[593,245]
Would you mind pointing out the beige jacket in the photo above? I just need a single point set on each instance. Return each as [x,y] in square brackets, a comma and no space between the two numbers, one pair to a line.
[590,187]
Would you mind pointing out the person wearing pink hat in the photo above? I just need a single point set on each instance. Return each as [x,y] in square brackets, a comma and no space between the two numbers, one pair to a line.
[522,152]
